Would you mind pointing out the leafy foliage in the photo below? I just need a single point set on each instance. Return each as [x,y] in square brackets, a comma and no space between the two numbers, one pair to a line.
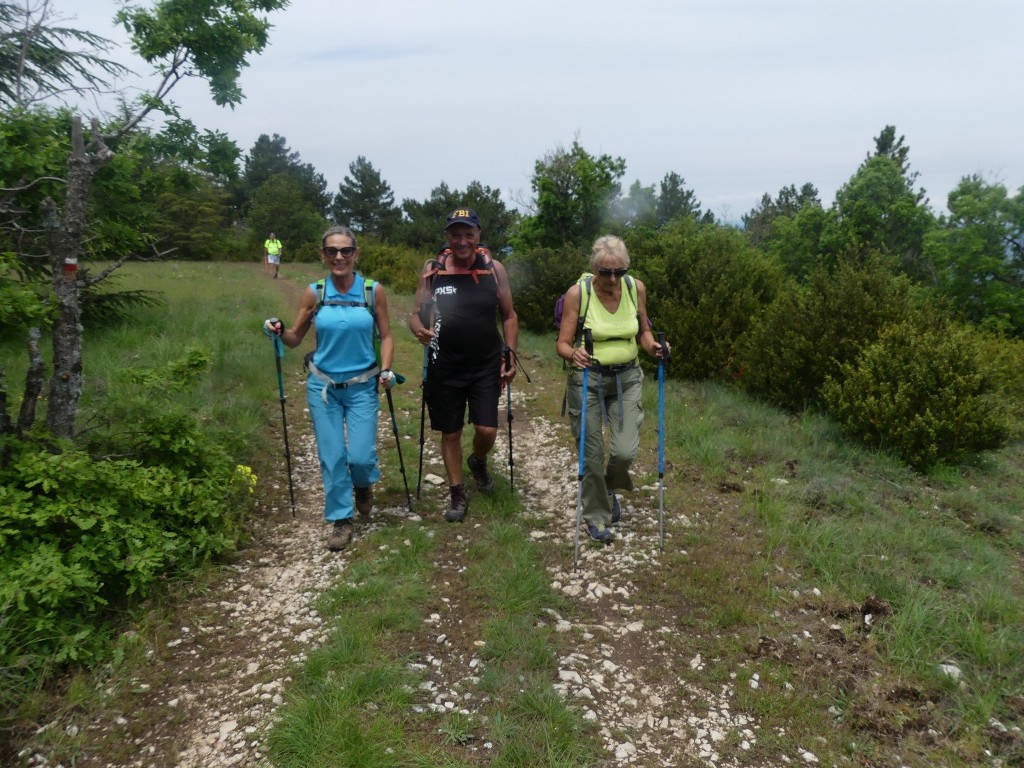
[271,156]
[922,391]
[88,528]
[424,224]
[78,535]
[706,288]
[537,278]
[279,206]
[396,266]
[573,192]
[39,59]
[365,201]
[978,252]
[760,222]
[809,331]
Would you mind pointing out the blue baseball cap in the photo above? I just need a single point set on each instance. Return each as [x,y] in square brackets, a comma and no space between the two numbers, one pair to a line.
[463,216]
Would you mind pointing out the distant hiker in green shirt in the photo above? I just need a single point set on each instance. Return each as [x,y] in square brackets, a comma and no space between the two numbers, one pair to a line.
[272,252]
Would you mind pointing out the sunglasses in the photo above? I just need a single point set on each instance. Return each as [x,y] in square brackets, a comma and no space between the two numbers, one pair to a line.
[610,272]
[346,253]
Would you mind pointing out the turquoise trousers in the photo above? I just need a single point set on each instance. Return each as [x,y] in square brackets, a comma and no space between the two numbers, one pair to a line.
[346,441]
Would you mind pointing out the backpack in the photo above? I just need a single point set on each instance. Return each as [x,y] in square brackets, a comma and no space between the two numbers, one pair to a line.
[584,282]
[439,265]
[369,301]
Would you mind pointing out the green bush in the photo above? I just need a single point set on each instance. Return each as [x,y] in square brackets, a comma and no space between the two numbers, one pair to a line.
[88,529]
[922,391]
[810,330]
[397,266]
[80,537]
[1004,358]
[537,278]
[706,288]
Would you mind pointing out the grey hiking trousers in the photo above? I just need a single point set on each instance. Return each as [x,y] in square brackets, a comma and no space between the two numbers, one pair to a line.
[606,393]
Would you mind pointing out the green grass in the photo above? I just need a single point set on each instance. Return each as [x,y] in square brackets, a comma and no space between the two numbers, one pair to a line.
[352,700]
[782,505]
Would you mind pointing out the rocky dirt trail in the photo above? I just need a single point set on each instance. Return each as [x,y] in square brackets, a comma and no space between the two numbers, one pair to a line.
[213,684]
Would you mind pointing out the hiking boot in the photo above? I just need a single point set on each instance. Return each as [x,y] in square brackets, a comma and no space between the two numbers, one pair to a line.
[364,501]
[341,535]
[484,481]
[600,534]
[616,509]
[458,506]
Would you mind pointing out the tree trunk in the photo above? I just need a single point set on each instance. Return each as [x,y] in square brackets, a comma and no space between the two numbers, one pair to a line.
[33,382]
[65,241]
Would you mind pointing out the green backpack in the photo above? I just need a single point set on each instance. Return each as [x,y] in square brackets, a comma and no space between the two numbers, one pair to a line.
[584,282]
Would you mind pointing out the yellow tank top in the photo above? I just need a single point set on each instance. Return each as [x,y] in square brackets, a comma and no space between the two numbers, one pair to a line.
[614,333]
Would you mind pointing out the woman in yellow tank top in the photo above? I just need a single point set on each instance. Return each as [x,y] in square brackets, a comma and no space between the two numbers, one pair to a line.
[615,313]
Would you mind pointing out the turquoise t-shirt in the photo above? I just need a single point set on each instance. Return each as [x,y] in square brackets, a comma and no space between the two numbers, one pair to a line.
[344,335]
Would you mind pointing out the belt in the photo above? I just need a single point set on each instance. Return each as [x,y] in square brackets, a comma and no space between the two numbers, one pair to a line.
[330,383]
[608,370]
[612,370]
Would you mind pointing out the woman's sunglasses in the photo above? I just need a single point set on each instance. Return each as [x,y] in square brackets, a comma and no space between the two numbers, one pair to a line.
[346,253]
[610,272]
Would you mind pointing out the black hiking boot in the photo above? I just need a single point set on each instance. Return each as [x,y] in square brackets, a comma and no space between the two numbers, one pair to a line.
[364,502]
[484,481]
[616,509]
[459,504]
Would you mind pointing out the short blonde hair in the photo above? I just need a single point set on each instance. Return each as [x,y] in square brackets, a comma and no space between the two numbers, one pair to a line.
[608,245]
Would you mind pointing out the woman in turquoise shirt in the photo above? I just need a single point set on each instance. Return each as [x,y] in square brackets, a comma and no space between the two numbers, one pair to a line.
[343,378]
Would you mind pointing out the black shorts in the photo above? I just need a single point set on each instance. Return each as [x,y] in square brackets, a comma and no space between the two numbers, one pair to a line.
[448,392]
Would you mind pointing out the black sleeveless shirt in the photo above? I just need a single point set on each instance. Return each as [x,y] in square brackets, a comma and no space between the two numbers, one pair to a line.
[465,320]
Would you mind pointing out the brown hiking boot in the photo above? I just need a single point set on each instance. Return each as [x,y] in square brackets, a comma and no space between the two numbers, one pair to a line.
[484,481]
[458,506]
[341,535]
[364,501]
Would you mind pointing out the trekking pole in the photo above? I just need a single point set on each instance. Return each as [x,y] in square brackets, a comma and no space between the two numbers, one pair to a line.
[399,379]
[511,358]
[588,345]
[662,361]
[423,419]
[508,409]
[278,354]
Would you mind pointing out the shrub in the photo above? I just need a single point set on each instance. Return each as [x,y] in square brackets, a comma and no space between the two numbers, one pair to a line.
[812,329]
[397,266]
[80,537]
[1004,358]
[537,278]
[920,390]
[706,287]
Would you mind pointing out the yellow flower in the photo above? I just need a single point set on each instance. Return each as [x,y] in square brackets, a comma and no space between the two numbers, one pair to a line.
[247,476]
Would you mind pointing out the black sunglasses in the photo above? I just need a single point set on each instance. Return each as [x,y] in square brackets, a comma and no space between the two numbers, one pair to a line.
[610,272]
[331,252]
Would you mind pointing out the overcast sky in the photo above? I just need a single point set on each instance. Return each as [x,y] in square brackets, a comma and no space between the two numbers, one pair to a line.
[739,98]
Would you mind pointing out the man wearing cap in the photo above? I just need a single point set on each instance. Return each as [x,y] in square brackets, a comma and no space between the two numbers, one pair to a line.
[460,296]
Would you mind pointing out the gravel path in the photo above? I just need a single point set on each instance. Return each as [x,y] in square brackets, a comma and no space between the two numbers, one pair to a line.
[216,681]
